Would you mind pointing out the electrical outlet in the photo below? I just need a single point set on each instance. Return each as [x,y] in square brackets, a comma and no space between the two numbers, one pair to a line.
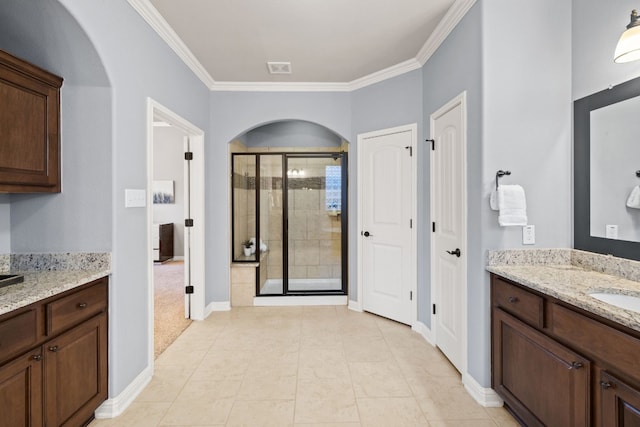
[611,231]
[529,235]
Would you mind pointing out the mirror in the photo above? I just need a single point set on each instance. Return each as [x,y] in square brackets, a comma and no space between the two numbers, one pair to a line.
[606,158]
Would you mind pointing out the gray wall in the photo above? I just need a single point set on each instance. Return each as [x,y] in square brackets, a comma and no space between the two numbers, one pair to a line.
[5,224]
[391,103]
[168,164]
[293,133]
[233,114]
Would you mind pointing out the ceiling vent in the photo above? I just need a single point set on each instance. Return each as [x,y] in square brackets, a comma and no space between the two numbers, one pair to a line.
[279,67]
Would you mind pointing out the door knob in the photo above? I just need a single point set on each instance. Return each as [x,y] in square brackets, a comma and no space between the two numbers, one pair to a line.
[367,234]
[456,252]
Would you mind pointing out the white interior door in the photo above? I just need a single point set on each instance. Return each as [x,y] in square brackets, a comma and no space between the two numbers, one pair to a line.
[386,188]
[448,213]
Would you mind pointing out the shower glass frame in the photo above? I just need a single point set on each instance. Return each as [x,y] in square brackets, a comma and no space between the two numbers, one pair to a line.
[342,217]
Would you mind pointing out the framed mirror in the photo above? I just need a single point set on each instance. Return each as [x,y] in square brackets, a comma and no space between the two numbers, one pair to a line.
[606,158]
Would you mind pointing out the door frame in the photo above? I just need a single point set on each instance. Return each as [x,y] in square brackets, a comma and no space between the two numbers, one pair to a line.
[413,128]
[461,100]
[196,260]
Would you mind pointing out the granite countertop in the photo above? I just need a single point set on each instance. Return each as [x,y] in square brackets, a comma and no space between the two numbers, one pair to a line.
[573,283]
[46,275]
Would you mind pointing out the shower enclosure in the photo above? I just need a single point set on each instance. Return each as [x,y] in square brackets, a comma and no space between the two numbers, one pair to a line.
[291,210]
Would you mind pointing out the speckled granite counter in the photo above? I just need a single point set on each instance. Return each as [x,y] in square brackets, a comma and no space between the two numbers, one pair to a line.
[570,276]
[46,275]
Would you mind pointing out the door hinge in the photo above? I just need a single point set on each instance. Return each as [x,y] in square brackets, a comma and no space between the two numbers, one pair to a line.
[410,295]
[188,155]
[410,148]
[188,222]
[433,143]
[411,223]
[433,227]
[188,289]
[434,309]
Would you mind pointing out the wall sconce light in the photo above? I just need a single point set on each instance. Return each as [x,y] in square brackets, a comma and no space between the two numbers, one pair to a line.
[628,48]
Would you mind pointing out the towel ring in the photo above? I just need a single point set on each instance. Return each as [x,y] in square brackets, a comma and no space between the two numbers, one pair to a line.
[502,173]
[638,173]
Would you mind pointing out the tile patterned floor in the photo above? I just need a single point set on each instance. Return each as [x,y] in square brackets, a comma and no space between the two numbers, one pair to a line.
[304,366]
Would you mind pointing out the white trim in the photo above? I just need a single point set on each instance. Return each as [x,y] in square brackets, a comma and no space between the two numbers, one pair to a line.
[355,306]
[462,101]
[115,406]
[449,21]
[155,20]
[485,396]
[424,331]
[217,306]
[385,74]
[166,32]
[295,300]
[413,128]
[197,259]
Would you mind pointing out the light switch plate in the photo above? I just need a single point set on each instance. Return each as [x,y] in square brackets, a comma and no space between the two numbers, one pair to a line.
[135,198]
[529,235]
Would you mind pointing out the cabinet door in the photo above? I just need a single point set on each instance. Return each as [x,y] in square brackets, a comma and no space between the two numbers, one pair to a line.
[543,382]
[620,403]
[76,373]
[21,391]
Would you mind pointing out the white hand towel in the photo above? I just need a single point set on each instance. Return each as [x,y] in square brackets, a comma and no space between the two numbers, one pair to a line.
[512,204]
[493,200]
[634,198]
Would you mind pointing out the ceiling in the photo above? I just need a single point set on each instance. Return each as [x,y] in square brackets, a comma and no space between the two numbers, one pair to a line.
[330,43]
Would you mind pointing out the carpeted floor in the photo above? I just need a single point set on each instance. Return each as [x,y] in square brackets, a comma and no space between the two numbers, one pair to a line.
[169,322]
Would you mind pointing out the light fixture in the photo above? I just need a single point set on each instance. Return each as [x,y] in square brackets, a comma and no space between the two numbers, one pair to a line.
[295,172]
[628,48]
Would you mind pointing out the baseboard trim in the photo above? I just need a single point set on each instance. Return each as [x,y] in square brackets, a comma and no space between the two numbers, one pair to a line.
[289,301]
[217,306]
[355,306]
[424,331]
[485,396]
[115,406]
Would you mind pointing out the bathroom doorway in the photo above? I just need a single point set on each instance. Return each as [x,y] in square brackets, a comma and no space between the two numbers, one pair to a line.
[290,218]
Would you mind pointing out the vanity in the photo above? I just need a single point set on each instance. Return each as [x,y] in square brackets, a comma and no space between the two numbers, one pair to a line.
[54,347]
[560,356]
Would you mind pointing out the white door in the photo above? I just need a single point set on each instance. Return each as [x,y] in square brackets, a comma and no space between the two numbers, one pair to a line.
[386,188]
[449,246]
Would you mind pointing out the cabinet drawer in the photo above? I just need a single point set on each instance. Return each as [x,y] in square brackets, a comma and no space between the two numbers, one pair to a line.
[600,341]
[17,333]
[76,307]
[519,302]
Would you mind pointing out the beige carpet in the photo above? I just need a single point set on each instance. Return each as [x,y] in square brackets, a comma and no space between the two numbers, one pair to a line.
[169,322]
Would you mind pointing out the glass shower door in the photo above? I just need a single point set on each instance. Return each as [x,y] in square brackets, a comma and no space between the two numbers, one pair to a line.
[314,233]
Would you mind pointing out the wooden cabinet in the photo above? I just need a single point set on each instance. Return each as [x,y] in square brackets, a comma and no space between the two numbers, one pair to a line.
[63,378]
[29,127]
[162,242]
[558,365]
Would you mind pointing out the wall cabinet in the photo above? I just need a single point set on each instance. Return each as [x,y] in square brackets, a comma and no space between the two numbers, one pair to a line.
[63,379]
[557,365]
[29,127]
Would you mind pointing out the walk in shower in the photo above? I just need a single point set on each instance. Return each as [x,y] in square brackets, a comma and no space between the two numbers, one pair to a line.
[289,215]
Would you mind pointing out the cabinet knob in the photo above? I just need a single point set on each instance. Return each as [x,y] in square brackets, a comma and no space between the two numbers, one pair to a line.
[605,384]
[53,348]
[576,365]
[513,300]
[82,305]
[37,357]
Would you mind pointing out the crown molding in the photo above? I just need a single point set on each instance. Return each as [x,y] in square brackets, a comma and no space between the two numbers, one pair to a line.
[279,87]
[387,73]
[164,30]
[151,15]
[454,15]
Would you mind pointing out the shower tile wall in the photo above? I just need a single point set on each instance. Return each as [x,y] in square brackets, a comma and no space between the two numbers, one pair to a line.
[244,204]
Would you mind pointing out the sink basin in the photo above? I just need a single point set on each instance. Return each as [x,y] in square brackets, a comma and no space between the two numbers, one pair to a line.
[10,279]
[627,302]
